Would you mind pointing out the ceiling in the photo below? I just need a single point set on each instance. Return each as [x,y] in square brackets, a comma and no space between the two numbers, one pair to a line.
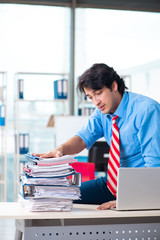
[137,5]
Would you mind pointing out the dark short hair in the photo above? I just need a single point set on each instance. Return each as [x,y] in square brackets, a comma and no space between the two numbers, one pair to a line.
[98,76]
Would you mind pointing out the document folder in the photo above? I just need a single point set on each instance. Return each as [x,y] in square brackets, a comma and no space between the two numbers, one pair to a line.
[28,190]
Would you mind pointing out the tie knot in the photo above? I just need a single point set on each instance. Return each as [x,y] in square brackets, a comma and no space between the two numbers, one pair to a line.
[114,119]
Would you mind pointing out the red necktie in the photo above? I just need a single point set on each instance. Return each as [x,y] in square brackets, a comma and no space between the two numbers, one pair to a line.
[114,159]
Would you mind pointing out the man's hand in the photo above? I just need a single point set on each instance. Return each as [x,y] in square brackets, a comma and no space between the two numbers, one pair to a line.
[107,205]
[52,154]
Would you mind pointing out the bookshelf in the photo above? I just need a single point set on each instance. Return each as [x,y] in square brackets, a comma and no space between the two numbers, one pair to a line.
[39,97]
[85,106]
[3,136]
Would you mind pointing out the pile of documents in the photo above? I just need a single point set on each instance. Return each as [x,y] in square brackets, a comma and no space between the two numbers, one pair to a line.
[49,184]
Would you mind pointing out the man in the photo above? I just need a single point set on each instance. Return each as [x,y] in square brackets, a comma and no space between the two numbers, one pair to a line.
[138,124]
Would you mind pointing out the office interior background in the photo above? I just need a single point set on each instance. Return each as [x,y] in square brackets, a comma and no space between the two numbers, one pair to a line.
[45,41]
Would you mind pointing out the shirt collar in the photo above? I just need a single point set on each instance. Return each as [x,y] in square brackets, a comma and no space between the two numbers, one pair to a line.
[122,108]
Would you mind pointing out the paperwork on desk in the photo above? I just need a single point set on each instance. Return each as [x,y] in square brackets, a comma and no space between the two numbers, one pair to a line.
[62,181]
[49,187]
[48,171]
[47,204]
[51,161]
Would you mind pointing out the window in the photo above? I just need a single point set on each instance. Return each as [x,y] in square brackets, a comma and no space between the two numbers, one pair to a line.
[33,39]
[126,40]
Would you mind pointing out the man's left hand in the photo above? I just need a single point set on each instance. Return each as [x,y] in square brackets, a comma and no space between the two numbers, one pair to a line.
[107,205]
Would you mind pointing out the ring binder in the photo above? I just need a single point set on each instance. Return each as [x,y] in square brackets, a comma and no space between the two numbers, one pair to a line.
[2,115]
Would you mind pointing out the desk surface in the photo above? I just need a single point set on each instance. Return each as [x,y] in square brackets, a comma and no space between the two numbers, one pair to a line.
[12,210]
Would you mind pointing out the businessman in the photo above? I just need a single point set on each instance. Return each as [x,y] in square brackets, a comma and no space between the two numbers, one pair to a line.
[137,121]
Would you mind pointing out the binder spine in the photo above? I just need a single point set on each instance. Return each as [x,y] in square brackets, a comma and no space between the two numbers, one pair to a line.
[20,88]
[23,142]
[2,115]
[85,97]
[55,90]
[87,111]
[64,89]
[26,143]
[79,112]
[60,89]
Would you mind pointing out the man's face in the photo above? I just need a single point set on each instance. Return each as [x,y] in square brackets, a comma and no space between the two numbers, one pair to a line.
[105,99]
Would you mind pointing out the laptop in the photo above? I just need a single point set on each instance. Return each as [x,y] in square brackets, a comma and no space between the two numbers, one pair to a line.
[138,189]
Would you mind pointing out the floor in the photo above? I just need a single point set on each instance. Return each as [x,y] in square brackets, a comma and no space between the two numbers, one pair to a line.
[7,229]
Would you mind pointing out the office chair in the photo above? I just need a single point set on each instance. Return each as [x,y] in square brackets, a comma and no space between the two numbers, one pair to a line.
[99,154]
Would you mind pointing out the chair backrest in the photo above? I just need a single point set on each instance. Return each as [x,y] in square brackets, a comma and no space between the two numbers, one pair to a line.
[86,169]
[98,154]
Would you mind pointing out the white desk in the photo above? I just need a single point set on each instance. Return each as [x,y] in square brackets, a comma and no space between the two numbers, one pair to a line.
[83,222]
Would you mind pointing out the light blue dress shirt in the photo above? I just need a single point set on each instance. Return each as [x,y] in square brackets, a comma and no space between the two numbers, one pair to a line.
[139,128]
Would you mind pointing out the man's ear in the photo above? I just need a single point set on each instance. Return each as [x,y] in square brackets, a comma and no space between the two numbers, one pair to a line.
[114,86]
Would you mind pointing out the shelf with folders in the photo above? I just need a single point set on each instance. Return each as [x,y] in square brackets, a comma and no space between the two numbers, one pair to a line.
[39,97]
[3,136]
[85,106]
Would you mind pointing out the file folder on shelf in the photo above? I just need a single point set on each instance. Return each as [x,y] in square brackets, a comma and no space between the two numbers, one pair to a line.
[60,89]
[23,142]
[87,111]
[64,87]
[20,88]
[2,115]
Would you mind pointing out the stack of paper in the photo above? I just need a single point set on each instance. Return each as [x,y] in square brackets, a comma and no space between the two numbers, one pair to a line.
[49,184]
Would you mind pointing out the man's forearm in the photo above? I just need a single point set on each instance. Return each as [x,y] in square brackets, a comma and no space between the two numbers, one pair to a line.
[73,146]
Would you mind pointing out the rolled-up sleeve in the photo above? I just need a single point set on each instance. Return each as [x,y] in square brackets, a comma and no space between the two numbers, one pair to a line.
[92,130]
